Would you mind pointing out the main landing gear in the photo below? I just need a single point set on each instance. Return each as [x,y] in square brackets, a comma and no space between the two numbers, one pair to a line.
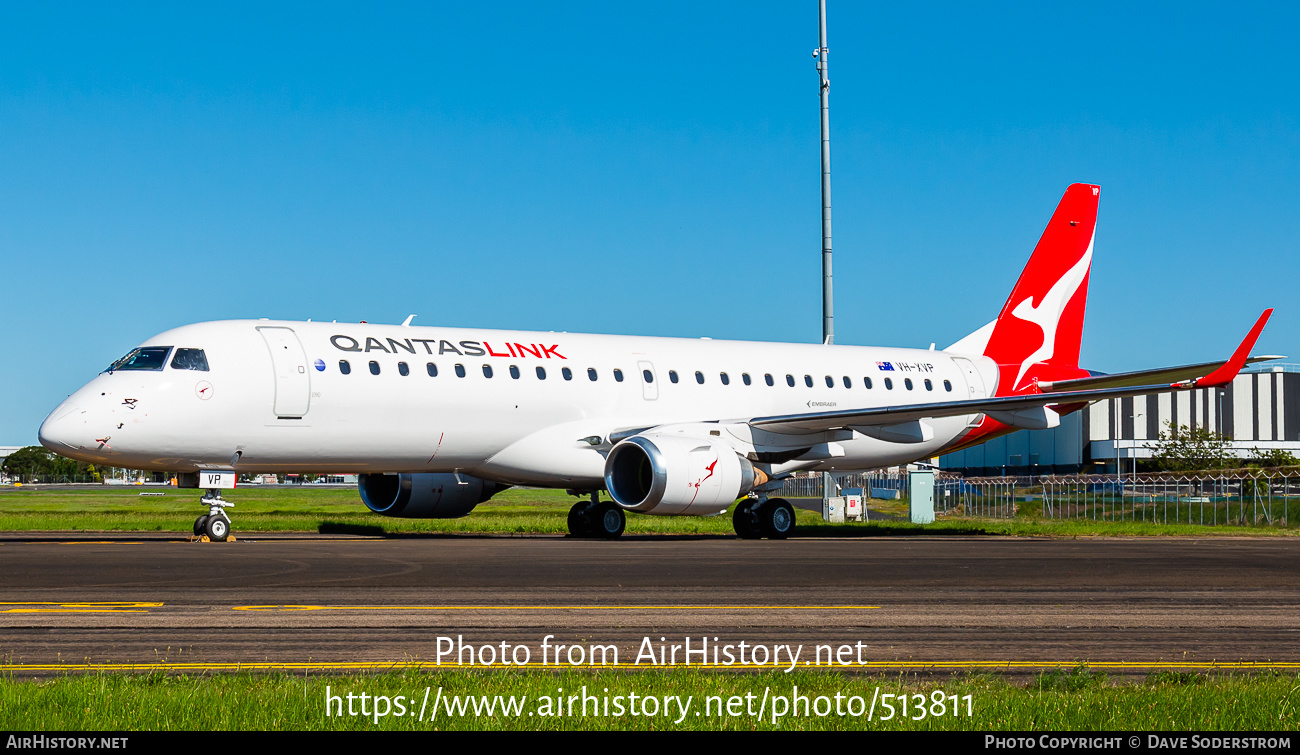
[597,518]
[215,525]
[772,518]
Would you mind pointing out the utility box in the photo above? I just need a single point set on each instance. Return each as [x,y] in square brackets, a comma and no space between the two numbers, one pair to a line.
[854,511]
[833,509]
[922,496]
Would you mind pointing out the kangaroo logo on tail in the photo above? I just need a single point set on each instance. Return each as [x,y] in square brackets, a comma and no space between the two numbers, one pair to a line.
[1038,332]
[1047,313]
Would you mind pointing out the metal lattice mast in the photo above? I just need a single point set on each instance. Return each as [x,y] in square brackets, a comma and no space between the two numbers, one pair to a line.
[823,75]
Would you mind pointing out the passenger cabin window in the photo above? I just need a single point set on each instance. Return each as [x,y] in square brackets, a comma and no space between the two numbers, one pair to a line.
[789,380]
[374,367]
[947,386]
[907,383]
[889,384]
[866,383]
[541,373]
[830,382]
[514,372]
[699,377]
[928,385]
[432,369]
[402,369]
[618,376]
[807,380]
[567,373]
[344,367]
[723,377]
[487,370]
[591,374]
[190,359]
[744,378]
[672,376]
[768,379]
[647,376]
[848,383]
[460,370]
[147,358]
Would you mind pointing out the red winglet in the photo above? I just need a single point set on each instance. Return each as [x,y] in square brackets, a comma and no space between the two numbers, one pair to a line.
[1229,369]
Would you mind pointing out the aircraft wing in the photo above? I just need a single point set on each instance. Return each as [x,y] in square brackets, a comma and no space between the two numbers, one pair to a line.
[1021,411]
[1144,377]
[1031,410]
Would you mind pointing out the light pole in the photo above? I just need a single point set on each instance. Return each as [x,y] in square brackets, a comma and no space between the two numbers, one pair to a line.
[824,84]
[821,55]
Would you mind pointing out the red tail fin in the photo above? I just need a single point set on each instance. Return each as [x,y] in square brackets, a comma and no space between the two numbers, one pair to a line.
[1038,331]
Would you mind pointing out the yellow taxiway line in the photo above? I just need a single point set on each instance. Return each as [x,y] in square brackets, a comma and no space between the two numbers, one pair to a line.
[544,608]
[133,606]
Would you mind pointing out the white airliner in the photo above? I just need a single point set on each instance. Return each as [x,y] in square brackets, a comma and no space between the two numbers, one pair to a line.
[437,420]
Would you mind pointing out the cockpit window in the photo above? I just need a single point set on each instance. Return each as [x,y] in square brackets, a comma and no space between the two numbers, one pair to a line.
[146,358]
[190,359]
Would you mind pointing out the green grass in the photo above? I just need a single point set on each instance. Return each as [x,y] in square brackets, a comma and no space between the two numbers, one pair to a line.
[515,511]
[1063,700]
[292,508]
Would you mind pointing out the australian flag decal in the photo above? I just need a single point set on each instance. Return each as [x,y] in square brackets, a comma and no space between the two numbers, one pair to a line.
[885,366]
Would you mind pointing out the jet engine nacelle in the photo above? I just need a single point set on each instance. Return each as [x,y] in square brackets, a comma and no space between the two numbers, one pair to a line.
[659,473]
[424,495]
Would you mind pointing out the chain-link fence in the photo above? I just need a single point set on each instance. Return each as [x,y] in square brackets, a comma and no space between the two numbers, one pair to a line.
[1256,497]
[1243,497]
[52,479]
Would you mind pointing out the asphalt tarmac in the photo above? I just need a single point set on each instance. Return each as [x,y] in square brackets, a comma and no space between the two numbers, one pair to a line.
[72,602]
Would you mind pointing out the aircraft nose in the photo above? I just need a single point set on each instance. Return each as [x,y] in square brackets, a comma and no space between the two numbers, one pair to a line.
[62,430]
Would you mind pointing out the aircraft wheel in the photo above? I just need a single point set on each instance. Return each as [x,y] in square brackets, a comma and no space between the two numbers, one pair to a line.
[744,521]
[580,524]
[218,528]
[606,520]
[201,526]
[776,519]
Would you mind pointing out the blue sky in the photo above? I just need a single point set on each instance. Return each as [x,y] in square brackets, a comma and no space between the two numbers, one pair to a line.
[635,168]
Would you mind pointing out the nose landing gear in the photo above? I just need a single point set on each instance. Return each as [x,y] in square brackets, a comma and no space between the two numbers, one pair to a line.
[215,525]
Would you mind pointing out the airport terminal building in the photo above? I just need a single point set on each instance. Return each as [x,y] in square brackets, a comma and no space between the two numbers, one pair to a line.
[5,451]
[1259,409]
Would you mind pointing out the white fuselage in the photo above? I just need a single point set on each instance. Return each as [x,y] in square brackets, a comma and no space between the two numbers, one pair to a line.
[274,398]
